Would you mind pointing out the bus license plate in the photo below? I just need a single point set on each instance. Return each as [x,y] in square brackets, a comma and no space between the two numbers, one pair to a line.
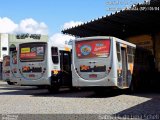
[93,76]
[31,75]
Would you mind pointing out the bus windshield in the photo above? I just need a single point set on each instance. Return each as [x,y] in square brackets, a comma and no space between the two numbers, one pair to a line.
[92,48]
[31,52]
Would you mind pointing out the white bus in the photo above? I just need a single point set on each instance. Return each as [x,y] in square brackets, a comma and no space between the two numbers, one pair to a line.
[107,62]
[43,64]
[10,70]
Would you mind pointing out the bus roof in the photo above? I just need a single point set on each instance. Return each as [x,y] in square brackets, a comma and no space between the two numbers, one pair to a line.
[105,37]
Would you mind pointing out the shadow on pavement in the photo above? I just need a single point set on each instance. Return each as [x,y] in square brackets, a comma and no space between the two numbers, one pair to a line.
[149,110]
[64,92]
[83,93]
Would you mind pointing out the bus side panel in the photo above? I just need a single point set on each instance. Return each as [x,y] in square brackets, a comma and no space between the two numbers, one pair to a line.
[74,75]
[113,73]
[124,62]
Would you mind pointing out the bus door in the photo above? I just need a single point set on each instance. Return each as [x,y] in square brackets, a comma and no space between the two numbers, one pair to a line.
[14,66]
[6,68]
[124,66]
[65,65]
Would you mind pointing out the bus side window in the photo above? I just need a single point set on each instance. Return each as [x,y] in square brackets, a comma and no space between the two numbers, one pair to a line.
[14,57]
[130,52]
[134,51]
[54,51]
[118,52]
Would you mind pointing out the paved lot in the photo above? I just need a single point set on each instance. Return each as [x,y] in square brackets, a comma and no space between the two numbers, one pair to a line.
[31,100]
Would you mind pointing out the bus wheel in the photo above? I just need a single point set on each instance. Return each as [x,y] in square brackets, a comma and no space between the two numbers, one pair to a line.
[10,83]
[54,87]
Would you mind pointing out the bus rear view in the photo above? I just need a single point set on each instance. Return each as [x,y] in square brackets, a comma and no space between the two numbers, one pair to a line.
[32,64]
[92,60]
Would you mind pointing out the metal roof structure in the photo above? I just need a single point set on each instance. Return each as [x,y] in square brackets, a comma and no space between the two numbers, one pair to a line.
[139,19]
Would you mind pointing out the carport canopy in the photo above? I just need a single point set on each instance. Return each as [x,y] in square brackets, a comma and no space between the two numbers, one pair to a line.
[137,20]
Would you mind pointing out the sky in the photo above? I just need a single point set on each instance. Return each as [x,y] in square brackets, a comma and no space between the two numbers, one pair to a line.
[50,17]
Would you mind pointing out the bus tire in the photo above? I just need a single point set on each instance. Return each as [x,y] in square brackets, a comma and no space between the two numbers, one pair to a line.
[10,83]
[54,87]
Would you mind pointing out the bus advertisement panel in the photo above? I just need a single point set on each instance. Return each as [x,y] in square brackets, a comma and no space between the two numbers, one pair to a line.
[32,53]
[92,49]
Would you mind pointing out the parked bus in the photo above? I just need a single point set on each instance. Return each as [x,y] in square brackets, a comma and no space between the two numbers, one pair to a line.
[10,70]
[43,64]
[108,62]
[10,67]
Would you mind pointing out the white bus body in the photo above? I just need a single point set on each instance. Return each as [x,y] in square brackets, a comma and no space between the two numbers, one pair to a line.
[42,64]
[102,62]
